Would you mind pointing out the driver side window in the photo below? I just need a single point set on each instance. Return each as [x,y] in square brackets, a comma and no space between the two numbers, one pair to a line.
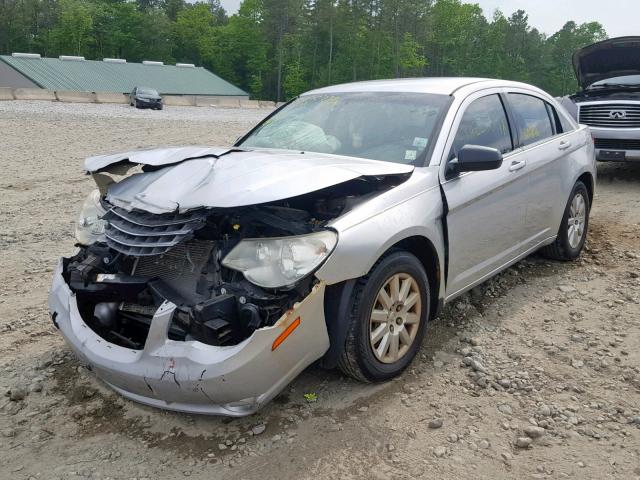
[484,123]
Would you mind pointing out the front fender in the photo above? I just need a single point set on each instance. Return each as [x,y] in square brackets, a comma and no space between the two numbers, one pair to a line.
[359,248]
[366,236]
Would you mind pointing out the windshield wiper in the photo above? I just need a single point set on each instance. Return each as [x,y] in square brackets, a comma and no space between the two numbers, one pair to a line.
[613,85]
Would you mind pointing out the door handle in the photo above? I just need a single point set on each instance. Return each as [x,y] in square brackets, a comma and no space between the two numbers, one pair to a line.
[517,165]
[564,145]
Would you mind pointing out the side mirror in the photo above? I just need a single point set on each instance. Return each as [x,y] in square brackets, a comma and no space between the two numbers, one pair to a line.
[474,158]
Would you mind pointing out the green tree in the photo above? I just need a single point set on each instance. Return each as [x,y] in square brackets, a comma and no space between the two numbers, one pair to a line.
[72,34]
[277,48]
[294,82]
[560,76]
[412,60]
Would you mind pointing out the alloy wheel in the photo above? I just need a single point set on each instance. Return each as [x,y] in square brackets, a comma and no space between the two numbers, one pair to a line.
[395,318]
[577,220]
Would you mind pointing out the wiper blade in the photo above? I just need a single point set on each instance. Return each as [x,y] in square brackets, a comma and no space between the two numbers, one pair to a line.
[612,85]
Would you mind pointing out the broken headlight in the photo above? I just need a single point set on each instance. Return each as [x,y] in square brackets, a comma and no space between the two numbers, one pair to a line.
[280,262]
[90,226]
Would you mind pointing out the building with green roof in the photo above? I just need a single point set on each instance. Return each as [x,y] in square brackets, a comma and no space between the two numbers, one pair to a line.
[68,73]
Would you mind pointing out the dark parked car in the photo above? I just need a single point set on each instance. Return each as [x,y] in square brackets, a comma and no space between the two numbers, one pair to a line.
[143,97]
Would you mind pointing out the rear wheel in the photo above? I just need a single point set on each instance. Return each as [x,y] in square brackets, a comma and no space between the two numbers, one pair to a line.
[389,311]
[573,229]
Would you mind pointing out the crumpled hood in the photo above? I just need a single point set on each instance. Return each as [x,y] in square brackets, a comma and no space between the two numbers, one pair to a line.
[611,58]
[197,176]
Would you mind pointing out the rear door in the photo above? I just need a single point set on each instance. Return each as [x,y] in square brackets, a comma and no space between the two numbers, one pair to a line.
[486,210]
[546,149]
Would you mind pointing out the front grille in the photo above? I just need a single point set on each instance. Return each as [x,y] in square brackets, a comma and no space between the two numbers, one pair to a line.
[615,144]
[139,234]
[610,115]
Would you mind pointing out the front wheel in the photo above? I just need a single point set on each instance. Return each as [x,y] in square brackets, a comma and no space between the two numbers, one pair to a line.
[573,229]
[389,311]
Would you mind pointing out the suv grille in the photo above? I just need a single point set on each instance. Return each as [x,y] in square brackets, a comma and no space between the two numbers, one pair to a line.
[615,144]
[140,233]
[610,115]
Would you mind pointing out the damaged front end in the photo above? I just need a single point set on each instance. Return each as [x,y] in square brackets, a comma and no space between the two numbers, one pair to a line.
[149,259]
[210,309]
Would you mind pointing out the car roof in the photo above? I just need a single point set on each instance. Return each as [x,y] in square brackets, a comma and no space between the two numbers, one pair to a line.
[435,85]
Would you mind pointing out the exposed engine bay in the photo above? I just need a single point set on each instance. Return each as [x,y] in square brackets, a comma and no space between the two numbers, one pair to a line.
[149,258]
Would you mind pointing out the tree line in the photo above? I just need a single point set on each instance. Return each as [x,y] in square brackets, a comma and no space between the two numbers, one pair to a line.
[276,49]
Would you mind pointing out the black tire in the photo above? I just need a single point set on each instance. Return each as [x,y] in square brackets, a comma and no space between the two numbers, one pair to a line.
[358,359]
[561,249]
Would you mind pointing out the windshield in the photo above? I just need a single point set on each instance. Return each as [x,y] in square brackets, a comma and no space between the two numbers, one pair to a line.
[624,81]
[392,126]
[147,91]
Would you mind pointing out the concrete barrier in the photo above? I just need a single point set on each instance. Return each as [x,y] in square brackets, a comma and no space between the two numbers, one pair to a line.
[249,104]
[179,100]
[69,96]
[111,97]
[33,94]
[267,104]
[279,104]
[222,102]
[6,93]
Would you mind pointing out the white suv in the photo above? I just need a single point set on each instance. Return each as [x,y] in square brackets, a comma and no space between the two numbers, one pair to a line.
[609,74]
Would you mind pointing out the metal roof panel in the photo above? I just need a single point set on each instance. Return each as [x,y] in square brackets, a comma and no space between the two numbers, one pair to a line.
[100,76]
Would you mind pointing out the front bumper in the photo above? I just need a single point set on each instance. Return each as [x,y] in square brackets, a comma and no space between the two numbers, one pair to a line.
[191,376]
[140,102]
[611,144]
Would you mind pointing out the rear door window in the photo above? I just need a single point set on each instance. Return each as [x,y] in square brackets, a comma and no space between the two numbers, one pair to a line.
[484,123]
[532,118]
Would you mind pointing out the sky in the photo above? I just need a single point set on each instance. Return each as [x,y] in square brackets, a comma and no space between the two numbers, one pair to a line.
[619,17]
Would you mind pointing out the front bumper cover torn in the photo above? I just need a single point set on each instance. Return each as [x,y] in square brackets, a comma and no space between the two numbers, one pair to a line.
[189,376]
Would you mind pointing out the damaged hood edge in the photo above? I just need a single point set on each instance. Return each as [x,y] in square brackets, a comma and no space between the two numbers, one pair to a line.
[218,177]
[154,157]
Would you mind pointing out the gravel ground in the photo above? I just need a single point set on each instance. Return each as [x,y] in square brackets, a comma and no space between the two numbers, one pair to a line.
[535,374]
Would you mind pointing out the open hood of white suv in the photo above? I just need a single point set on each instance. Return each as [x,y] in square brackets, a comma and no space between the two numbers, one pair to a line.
[611,58]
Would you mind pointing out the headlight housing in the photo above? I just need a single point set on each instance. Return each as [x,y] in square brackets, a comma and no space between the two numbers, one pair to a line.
[280,262]
[90,226]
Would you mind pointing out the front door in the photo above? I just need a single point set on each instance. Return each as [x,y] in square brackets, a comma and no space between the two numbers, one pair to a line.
[486,210]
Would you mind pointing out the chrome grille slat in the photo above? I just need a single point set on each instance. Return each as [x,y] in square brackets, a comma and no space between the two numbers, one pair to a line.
[140,234]
[145,219]
[131,242]
[599,115]
[149,231]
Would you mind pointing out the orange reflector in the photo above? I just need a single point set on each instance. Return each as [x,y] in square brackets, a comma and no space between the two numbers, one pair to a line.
[283,336]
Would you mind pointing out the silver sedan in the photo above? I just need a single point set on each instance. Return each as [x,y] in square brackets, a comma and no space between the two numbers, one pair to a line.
[207,278]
